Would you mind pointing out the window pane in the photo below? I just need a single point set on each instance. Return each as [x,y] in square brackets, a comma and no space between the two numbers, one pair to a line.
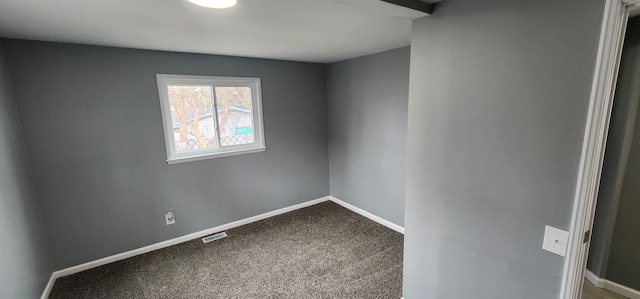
[192,117]
[235,115]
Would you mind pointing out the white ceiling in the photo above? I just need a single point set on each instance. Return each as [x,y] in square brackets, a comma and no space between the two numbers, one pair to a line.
[303,30]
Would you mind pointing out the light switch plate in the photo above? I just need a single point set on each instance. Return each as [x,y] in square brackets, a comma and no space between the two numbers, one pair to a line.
[555,240]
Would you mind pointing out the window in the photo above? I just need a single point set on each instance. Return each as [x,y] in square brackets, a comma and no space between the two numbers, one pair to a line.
[208,117]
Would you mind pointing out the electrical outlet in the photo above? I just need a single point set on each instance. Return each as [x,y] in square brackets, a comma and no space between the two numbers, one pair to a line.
[555,240]
[171,219]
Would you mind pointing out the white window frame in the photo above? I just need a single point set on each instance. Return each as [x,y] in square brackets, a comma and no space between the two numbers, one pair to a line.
[164,80]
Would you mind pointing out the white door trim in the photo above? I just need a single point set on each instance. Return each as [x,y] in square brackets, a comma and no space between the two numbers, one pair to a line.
[614,22]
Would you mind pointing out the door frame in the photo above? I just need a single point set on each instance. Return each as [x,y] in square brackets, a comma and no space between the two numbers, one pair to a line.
[614,23]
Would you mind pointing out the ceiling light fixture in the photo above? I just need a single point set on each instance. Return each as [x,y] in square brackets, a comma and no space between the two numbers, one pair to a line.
[214,3]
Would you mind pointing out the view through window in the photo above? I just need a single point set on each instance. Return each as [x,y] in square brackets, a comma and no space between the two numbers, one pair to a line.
[210,116]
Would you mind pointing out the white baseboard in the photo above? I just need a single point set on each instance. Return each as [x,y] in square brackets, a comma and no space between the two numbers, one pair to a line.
[171,242]
[364,213]
[47,289]
[622,290]
[189,237]
[594,279]
[611,286]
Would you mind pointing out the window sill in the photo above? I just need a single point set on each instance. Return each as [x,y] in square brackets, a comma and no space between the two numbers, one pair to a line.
[215,155]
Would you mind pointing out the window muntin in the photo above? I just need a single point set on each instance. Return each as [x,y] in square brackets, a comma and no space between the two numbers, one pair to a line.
[207,117]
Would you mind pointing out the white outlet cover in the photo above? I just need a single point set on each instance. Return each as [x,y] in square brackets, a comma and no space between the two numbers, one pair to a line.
[555,240]
[170,218]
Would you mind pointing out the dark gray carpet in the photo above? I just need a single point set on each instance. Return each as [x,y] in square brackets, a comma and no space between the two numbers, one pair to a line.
[323,251]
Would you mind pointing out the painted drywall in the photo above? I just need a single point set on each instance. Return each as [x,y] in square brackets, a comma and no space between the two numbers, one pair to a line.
[498,98]
[619,140]
[97,149]
[623,259]
[367,101]
[623,265]
[25,260]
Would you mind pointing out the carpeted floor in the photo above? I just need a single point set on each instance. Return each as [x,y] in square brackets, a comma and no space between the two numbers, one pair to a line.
[323,251]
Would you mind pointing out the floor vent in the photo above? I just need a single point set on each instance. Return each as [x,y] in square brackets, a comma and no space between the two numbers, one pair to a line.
[214,237]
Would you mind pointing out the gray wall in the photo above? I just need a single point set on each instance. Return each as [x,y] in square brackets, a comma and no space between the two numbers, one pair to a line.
[24,259]
[96,144]
[623,264]
[619,140]
[367,100]
[623,259]
[498,99]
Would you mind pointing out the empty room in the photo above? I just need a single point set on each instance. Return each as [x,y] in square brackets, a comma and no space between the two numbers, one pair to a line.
[303,149]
